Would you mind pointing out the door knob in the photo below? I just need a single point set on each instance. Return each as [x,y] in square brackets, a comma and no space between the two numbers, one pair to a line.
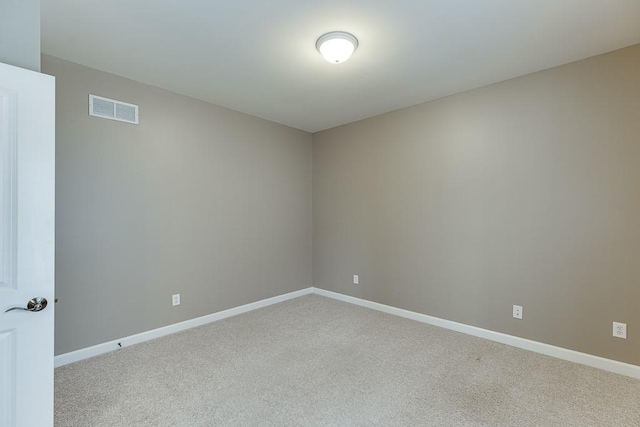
[34,304]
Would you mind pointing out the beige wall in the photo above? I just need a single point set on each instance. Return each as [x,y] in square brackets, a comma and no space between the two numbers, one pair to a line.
[523,192]
[20,33]
[197,200]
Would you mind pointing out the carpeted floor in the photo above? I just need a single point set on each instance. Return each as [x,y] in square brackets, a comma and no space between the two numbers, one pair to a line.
[316,361]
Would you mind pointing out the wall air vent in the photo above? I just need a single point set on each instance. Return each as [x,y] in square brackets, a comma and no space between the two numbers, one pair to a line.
[113,110]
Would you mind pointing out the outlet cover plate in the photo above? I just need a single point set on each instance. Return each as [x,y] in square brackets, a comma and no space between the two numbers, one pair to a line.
[356,279]
[517,311]
[620,330]
[175,299]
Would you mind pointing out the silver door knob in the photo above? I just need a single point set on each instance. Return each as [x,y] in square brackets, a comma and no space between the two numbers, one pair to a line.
[34,304]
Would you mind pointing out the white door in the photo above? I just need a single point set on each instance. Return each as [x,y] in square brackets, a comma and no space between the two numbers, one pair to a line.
[27,172]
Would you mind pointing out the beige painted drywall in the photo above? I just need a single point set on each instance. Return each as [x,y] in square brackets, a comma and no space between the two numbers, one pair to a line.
[196,199]
[524,192]
[20,33]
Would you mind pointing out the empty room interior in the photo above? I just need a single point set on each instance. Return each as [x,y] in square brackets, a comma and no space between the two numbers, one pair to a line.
[337,213]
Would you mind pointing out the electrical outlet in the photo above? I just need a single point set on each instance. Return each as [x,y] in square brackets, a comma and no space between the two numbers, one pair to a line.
[517,311]
[620,330]
[356,279]
[175,299]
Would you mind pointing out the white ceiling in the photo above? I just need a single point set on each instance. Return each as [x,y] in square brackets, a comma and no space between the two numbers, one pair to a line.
[259,56]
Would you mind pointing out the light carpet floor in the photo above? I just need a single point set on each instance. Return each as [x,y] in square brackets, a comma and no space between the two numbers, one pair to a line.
[313,361]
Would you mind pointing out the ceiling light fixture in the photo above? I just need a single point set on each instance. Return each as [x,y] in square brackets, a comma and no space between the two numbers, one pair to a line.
[337,46]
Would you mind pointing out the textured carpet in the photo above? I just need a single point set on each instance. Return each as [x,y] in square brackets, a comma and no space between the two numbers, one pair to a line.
[316,361]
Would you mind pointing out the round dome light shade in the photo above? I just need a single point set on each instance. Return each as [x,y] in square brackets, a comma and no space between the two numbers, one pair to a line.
[337,46]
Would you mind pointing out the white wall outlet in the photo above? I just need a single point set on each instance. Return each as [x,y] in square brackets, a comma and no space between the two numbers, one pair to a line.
[175,299]
[356,279]
[620,330]
[517,311]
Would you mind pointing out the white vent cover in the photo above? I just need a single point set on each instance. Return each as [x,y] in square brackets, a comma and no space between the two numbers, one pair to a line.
[113,110]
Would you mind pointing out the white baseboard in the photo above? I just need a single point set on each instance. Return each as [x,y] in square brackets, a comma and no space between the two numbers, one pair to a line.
[84,353]
[537,347]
